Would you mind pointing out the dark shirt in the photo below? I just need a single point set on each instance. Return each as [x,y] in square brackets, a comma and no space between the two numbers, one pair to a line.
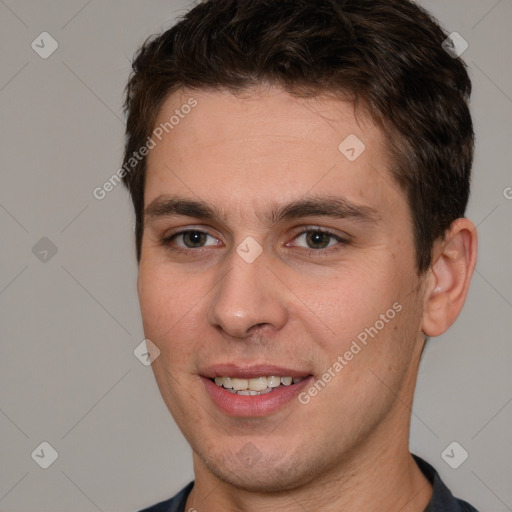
[442,499]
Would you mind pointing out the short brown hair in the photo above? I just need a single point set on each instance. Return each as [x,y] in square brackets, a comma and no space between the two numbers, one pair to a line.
[386,55]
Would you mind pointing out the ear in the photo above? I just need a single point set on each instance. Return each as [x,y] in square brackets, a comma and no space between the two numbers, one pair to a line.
[454,260]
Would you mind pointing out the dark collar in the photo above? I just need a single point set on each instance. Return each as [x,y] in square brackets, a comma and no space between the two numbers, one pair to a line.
[442,499]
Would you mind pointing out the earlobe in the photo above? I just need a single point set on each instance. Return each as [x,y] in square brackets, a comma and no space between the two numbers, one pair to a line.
[454,260]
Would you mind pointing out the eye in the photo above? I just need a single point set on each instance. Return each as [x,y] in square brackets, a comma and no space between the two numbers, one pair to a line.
[318,239]
[312,240]
[190,239]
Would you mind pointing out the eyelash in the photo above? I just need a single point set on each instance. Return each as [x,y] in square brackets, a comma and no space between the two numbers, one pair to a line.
[316,252]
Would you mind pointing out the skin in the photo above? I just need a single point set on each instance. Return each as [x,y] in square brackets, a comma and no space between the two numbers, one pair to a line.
[347,449]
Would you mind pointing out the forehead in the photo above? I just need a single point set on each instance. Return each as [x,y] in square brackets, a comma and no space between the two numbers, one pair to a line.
[266,144]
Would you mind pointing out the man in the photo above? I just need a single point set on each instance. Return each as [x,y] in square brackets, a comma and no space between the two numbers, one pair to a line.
[300,171]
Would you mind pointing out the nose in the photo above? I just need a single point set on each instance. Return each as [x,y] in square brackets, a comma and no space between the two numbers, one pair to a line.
[248,297]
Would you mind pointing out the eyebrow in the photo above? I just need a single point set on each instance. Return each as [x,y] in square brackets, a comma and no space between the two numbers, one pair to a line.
[322,206]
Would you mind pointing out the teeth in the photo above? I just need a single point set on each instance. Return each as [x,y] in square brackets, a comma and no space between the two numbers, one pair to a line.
[258,384]
[273,382]
[255,386]
[239,384]
[224,381]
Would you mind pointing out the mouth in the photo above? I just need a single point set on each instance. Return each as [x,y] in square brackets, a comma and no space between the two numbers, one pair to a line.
[255,386]
[253,391]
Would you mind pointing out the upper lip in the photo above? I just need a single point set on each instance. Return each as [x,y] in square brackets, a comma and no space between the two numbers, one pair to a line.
[250,371]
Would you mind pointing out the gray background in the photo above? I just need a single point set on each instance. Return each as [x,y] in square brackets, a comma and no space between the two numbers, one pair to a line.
[69,324]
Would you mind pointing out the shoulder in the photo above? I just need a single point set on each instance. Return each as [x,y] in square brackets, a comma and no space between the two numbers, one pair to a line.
[442,499]
[174,504]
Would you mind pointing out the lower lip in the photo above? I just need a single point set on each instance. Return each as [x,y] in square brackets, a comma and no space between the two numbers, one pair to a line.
[233,404]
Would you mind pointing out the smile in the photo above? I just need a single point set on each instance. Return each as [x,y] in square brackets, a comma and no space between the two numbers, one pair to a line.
[255,386]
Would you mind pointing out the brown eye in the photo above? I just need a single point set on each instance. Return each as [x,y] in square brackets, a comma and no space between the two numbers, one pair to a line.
[190,239]
[194,238]
[317,239]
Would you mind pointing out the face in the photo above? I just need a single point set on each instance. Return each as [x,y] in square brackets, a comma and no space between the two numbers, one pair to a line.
[274,249]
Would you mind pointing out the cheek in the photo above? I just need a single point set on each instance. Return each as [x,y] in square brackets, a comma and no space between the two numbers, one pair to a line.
[355,299]
[173,306]
[165,299]
[369,316]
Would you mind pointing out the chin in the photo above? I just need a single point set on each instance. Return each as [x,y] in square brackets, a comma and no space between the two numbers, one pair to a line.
[263,474]
[257,481]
